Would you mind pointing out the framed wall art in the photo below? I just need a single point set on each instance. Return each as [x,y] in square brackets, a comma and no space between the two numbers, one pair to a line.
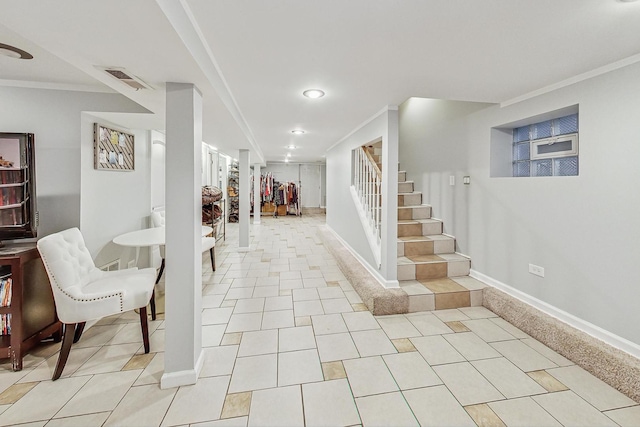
[113,149]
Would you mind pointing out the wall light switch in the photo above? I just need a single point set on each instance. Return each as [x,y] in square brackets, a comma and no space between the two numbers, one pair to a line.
[466,180]
[452,180]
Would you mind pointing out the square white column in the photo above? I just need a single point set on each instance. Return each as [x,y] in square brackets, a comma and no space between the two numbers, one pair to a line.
[389,258]
[244,194]
[183,251]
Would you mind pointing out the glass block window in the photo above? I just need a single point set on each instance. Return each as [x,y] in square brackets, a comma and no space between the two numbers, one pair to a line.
[541,167]
[565,166]
[524,136]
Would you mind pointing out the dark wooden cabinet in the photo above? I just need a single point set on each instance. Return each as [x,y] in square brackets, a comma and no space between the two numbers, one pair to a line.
[32,309]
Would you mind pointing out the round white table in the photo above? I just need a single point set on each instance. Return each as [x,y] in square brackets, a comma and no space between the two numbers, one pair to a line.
[149,237]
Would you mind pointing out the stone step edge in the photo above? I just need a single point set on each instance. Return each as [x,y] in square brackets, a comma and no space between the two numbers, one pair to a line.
[424,205]
[419,221]
[435,261]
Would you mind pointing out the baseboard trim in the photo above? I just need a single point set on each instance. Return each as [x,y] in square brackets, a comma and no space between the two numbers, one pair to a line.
[582,325]
[180,378]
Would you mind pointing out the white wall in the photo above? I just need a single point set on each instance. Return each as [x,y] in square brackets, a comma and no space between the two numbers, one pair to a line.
[582,229]
[342,215]
[433,147]
[158,149]
[113,202]
[55,119]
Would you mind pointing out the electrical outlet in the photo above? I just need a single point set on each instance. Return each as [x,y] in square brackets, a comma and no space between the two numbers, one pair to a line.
[536,270]
[452,180]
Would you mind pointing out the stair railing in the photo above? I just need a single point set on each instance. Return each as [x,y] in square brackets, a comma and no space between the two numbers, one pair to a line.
[367,181]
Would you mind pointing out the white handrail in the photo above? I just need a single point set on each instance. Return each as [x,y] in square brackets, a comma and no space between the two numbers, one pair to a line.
[367,180]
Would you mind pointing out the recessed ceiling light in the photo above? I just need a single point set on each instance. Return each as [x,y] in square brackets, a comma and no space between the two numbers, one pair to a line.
[288,154]
[14,52]
[291,147]
[313,93]
[297,131]
[286,160]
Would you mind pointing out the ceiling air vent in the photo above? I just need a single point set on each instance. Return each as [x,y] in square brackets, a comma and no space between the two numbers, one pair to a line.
[126,77]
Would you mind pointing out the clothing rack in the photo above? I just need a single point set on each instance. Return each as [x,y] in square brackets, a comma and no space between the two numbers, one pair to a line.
[281,198]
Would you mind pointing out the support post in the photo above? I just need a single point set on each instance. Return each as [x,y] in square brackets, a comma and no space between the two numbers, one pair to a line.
[183,253]
[389,188]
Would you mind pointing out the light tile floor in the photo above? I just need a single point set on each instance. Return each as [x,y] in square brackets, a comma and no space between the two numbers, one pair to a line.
[287,342]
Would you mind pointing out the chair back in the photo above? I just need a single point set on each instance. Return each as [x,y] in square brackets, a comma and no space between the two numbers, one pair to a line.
[68,264]
[157,253]
[157,219]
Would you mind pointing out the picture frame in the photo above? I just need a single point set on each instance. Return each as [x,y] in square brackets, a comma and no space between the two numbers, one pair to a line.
[113,149]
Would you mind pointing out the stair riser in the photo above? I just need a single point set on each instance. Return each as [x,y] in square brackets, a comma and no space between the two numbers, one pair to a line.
[409,229]
[451,300]
[434,247]
[417,248]
[430,229]
[444,246]
[410,199]
[414,212]
[405,187]
[433,270]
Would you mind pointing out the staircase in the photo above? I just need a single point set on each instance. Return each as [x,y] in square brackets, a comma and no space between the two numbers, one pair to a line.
[429,270]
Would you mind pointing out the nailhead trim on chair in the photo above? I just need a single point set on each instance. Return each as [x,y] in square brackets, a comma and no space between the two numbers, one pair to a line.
[117,294]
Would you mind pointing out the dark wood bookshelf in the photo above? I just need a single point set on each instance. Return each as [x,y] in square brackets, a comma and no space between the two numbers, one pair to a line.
[32,309]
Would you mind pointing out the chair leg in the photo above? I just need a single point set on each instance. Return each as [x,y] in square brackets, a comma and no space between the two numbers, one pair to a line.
[79,330]
[213,258]
[152,303]
[153,295]
[67,340]
[145,328]
[161,271]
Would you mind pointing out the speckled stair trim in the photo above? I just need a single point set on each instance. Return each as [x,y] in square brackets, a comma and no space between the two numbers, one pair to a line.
[613,366]
[379,300]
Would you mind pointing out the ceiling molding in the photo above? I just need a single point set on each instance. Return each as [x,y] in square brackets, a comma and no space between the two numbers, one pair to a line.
[363,124]
[56,86]
[184,23]
[573,80]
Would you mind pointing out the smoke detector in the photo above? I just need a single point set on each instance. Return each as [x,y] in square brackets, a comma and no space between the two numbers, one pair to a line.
[124,76]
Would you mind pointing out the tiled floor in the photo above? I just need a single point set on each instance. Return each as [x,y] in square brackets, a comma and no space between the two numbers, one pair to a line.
[288,342]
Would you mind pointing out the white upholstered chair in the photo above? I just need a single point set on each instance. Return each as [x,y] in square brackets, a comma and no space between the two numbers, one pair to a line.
[82,292]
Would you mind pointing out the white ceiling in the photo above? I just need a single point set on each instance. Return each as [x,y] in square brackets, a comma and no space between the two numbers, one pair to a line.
[252,58]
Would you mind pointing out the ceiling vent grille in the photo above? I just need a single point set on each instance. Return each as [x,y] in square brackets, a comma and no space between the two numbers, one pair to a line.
[126,77]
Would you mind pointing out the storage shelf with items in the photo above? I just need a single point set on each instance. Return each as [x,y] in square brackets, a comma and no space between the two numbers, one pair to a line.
[27,310]
[5,300]
[213,211]
[17,186]
[232,192]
